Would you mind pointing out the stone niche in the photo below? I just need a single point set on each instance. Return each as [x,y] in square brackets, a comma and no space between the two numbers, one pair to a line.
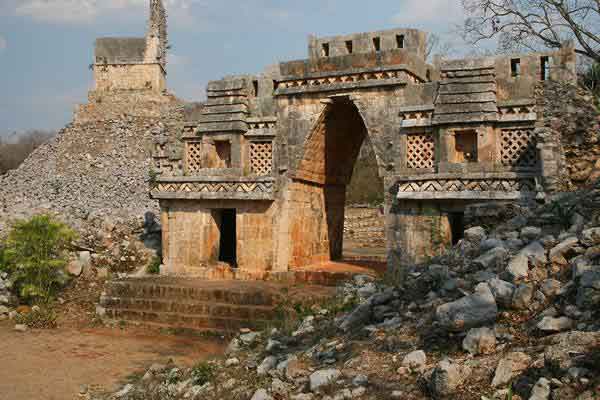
[213,154]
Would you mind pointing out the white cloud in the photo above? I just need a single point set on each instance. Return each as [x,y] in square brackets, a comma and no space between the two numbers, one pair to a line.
[3,44]
[419,12]
[83,11]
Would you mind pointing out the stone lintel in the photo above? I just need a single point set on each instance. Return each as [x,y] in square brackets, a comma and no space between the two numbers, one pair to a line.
[234,126]
[461,118]
[414,123]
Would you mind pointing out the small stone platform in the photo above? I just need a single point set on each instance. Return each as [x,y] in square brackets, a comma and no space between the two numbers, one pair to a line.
[201,305]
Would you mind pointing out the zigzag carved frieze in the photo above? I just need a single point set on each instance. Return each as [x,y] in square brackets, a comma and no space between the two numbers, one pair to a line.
[349,78]
[474,185]
[216,187]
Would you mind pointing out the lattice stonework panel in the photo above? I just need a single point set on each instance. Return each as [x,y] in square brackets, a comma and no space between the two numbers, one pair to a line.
[420,151]
[261,158]
[194,156]
[519,148]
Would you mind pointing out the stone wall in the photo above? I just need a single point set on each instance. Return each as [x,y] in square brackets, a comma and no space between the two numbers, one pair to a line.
[572,124]
[129,77]
[364,227]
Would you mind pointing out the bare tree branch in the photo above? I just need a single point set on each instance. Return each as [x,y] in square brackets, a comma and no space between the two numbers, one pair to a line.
[535,24]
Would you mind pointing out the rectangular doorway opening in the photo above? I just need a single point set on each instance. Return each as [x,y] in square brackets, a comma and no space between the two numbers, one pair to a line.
[228,240]
[457,226]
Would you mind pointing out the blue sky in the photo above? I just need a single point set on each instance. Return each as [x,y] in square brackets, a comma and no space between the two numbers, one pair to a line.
[46,46]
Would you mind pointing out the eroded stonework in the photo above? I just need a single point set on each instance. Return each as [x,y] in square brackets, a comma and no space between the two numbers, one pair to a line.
[256,179]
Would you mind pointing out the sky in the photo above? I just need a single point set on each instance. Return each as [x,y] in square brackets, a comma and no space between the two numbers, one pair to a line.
[46,46]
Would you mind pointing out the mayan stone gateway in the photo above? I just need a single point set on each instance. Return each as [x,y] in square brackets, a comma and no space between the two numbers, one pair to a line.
[256,180]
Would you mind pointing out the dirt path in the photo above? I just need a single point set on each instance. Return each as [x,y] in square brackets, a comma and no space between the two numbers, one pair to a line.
[52,365]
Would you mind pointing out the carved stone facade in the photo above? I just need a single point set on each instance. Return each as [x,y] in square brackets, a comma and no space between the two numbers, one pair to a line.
[256,179]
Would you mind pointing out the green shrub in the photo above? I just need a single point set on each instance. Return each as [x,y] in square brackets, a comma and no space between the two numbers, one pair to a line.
[44,318]
[154,267]
[35,254]
[203,373]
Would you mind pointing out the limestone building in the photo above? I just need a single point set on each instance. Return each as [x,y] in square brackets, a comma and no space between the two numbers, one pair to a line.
[256,180]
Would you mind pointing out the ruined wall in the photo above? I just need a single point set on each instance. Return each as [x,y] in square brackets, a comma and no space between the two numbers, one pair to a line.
[129,77]
[364,227]
[423,227]
[572,124]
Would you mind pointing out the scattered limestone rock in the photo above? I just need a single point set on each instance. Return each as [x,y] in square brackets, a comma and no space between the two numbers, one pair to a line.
[475,235]
[447,377]
[530,233]
[261,394]
[558,252]
[588,293]
[591,237]
[415,361]
[541,390]
[322,378]
[503,291]
[509,367]
[522,296]
[549,324]
[518,267]
[480,341]
[268,364]
[536,254]
[21,328]
[551,287]
[492,258]
[471,311]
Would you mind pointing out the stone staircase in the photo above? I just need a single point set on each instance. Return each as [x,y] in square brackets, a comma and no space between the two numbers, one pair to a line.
[200,305]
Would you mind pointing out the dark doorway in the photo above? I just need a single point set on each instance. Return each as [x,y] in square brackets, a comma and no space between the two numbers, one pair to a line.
[457,226]
[228,241]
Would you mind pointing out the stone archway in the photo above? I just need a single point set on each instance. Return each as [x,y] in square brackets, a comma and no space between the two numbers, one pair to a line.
[317,191]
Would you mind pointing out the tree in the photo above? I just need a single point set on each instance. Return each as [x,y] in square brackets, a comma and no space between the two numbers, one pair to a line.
[436,47]
[535,24]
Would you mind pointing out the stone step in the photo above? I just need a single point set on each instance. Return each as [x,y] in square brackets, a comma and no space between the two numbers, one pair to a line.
[210,293]
[202,305]
[184,321]
[195,308]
